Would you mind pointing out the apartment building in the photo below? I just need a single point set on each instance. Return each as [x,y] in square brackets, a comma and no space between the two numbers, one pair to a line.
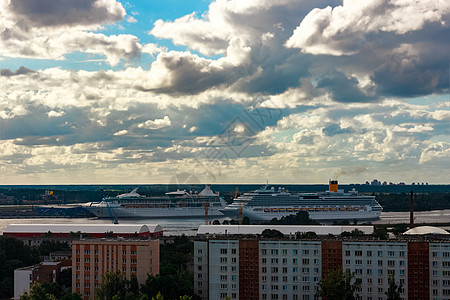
[92,258]
[24,278]
[245,267]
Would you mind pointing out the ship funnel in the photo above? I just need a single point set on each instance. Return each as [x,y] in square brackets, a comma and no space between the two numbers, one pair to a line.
[333,186]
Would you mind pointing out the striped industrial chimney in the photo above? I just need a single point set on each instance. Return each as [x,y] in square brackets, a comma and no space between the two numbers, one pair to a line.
[411,210]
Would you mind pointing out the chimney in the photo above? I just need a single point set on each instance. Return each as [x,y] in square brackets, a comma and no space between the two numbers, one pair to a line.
[333,186]
[411,210]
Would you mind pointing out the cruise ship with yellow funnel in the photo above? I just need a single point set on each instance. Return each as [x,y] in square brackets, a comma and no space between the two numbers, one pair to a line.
[267,203]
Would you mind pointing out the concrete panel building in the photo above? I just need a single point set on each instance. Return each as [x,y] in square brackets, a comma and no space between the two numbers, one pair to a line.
[250,267]
[92,258]
[25,277]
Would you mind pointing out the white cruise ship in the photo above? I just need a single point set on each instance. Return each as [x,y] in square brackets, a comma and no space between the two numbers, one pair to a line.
[179,204]
[265,204]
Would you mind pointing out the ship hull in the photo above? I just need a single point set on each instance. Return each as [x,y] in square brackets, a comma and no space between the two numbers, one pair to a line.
[152,213]
[261,216]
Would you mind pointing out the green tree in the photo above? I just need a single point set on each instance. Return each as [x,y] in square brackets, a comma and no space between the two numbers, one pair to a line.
[13,255]
[338,285]
[393,292]
[380,232]
[271,233]
[301,218]
[49,246]
[37,292]
[245,220]
[114,287]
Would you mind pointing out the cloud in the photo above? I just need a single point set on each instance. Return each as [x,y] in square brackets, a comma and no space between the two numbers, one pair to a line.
[131,19]
[48,13]
[343,30]
[51,29]
[156,124]
[20,71]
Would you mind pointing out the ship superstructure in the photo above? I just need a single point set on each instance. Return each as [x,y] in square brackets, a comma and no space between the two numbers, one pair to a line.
[175,204]
[267,203]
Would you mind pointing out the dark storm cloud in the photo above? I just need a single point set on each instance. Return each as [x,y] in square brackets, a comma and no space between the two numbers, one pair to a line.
[343,88]
[335,129]
[20,71]
[43,13]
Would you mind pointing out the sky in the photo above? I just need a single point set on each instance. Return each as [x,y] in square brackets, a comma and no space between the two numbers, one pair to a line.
[255,91]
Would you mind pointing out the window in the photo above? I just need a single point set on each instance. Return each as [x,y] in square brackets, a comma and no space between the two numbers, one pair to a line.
[369,253]
[294,269]
[380,253]
[233,251]
[402,272]
[274,251]
[285,278]
[358,271]
[223,259]
[380,271]
[358,262]
[263,270]
[274,260]
[263,251]
[305,270]
[305,279]
[223,251]
[274,278]
[284,261]
[233,269]
[305,261]
[391,263]
[435,254]
[294,278]
[223,268]
[284,251]
[305,252]
[223,277]
[87,251]
[274,269]
[402,253]
[358,253]
[347,253]
[295,252]
[390,253]
[402,263]
[294,260]
[380,263]
[223,286]
[233,259]
[369,271]
[316,252]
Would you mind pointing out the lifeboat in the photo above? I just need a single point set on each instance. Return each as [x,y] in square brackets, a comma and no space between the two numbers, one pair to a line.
[266,210]
[274,209]
[341,208]
[356,208]
[296,209]
[281,209]
[349,208]
[311,208]
[333,208]
[325,208]
[289,209]
[318,209]
[303,208]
